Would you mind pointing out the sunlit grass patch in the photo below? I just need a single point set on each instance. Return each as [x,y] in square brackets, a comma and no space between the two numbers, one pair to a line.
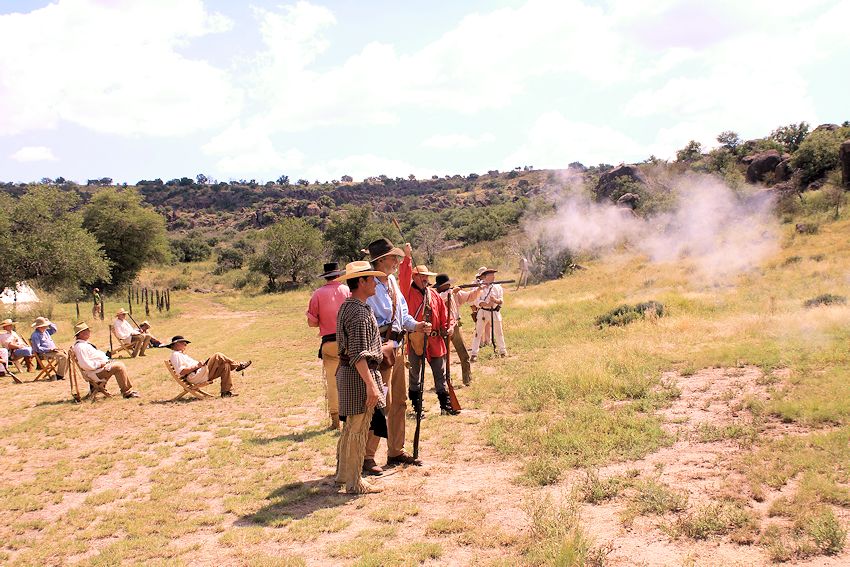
[557,537]
[716,519]
[653,497]
[394,513]
[316,524]
[406,555]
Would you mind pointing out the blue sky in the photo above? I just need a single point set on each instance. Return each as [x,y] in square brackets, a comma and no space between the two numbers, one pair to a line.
[137,90]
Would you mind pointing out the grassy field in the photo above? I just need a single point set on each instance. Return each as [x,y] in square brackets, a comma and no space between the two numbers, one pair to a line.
[579,448]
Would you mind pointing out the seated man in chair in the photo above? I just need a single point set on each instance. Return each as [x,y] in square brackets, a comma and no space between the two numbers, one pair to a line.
[15,344]
[144,329]
[96,366]
[128,335]
[194,372]
[43,345]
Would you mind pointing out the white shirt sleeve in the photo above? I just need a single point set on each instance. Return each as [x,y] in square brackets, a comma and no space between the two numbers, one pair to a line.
[181,361]
[123,329]
[89,358]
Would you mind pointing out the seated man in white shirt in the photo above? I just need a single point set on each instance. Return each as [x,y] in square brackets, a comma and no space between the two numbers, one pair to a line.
[130,336]
[96,365]
[216,366]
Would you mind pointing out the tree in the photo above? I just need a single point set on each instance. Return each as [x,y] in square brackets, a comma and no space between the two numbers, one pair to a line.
[292,248]
[229,259]
[47,244]
[303,182]
[431,240]
[350,230]
[283,180]
[818,153]
[790,136]
[691,152]
[191,248]
[729,139]
[201,179]
[132,234]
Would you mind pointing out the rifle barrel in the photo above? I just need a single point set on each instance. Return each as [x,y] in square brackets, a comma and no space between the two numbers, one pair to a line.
[465,286]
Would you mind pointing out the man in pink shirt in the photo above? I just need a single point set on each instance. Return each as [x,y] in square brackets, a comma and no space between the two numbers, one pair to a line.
[321,312]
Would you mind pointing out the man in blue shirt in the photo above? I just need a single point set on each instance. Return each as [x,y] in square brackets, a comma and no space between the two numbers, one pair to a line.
[43,345]
[392,324]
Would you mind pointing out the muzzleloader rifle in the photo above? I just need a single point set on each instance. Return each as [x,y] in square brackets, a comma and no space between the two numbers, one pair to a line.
[480,284]
[453,401]
[422,362]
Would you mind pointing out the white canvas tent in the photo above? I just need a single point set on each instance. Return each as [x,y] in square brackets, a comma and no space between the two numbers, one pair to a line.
[22,294]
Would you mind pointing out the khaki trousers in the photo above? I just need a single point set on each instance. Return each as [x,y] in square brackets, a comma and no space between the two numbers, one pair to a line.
[61,360]
[330,362]
[118,370]
[351,450]
[395,409]
[462,355]
[219,366]
[139,343]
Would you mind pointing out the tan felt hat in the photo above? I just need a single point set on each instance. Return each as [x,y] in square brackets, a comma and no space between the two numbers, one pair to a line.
[423,270]
[358,269]
[41,322]
[79,328]
[7,322]
[121,312]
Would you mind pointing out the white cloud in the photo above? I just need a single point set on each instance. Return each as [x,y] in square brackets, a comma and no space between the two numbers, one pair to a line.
[457,141]
[555,141]
[249,152]
[33,153]
[113,67]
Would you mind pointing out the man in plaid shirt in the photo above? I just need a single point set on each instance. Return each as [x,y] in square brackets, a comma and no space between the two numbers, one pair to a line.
[358,382]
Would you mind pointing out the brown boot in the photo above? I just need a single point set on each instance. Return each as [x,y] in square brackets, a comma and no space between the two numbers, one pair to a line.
[335,421]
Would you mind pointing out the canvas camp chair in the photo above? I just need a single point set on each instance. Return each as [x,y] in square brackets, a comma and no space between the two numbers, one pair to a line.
[74,371]
[122,346]
[188,387]
[48,367]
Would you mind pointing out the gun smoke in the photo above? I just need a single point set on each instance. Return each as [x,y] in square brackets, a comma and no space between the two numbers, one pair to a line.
[721,233]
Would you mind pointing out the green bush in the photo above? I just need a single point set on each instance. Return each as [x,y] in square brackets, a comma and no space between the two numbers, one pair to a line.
[190,248]
[624,314]
[818,154]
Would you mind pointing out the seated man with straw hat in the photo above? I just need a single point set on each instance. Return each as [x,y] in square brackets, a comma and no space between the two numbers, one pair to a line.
[144,329]
[15,344]
[96,366]
[43,345]
[128,335]
[216,366]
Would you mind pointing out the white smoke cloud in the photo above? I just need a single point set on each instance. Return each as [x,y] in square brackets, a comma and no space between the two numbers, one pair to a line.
[721,233]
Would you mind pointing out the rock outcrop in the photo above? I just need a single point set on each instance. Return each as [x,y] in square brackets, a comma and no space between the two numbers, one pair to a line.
[783,171]
[609,181]
[629,200]
[761,164]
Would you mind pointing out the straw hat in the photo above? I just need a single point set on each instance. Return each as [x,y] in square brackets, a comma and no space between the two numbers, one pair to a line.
[423,270]
[485,270]
[143,323]
[121,312]
[7,322]
[358,270]
[79,328]
[41,322]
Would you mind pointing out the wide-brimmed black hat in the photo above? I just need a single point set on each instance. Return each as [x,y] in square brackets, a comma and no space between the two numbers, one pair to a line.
[442,280]
[382,247]
[331,270]
[177,339]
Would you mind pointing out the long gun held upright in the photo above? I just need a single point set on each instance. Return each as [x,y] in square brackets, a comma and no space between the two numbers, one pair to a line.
[427,318]
[453,401]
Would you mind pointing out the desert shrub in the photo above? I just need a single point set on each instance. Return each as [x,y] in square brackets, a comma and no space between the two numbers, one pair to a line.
[547,259]
[818,154]
[190,248]
[179,282]
[229,259]
[825,299]
[624,314]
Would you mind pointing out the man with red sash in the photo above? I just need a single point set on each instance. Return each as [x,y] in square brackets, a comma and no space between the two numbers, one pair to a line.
[414,283]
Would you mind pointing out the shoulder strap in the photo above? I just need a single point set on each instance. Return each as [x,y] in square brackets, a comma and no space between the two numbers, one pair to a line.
[393,297]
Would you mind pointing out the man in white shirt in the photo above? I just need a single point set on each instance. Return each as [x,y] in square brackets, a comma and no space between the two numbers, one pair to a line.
[130,336]
[17,347]
[489,305]
[216,366]
[96,366]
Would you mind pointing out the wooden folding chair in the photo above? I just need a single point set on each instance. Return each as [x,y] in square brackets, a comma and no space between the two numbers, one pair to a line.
[188,387]
[11,374]
[125,347]
[48,368]
[74,371]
